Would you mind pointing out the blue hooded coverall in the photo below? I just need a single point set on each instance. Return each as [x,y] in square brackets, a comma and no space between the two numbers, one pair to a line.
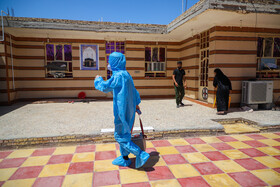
[125,100]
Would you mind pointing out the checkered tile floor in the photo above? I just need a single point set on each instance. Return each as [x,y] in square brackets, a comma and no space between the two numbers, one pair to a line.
[237,160]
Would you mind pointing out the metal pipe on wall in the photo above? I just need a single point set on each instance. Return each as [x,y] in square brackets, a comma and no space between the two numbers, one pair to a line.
[2,20]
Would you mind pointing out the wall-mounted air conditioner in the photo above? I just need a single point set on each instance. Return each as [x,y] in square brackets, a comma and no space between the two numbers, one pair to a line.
[257,92]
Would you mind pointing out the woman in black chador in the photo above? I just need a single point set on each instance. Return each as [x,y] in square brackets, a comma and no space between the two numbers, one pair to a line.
[223,85]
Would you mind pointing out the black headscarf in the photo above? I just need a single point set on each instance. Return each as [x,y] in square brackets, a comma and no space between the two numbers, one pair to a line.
[220,76]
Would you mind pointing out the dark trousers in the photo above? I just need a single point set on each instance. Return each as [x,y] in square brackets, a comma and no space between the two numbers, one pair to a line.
[180,93]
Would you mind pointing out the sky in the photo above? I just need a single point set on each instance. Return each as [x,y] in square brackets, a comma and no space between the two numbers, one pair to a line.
[132,11]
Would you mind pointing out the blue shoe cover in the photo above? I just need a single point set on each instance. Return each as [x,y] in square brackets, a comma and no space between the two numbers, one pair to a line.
[141,159]
[120,161]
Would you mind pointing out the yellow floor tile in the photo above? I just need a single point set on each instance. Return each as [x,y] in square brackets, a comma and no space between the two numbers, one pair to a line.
[21,153]
[204,147]
[5,174]
[54,170]
[229,166]
[219,180]
[133,176]
[239,145]
[239,128]
[149,144]
[19,183]
[195,157]
[211,139]
[234,154]
[104,165]
[269,176]
[77,180]
[106,147]
[167,150]
[269,150]
[155,161]
[270,142]
[183,170]
[165,183]
[268,161]
[270,135]
[83,157]
[36,161]
[242,137]
[65,150]
[118,153]
[178,142]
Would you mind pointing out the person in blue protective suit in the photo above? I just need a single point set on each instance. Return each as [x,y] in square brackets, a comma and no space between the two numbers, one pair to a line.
[125,102]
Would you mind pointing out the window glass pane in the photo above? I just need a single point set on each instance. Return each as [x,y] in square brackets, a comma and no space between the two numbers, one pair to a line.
[268,47]
[58,55]
[276,52]
[50,51]
[260,47]
[155,55]
[67,53]
[162,54]
[147,54]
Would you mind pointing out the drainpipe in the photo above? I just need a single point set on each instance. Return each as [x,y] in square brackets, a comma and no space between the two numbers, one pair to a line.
[12,60]
[3,24]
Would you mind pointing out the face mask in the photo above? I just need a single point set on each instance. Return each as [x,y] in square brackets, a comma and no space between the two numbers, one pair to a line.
[180,67]
[109,67]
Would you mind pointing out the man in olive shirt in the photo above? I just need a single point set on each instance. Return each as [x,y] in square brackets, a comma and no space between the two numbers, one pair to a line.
[179,83]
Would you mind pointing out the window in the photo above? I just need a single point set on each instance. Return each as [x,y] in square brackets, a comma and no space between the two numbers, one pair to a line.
[268,54]
[155,61]
[113,46]
[58,60]
[204,58]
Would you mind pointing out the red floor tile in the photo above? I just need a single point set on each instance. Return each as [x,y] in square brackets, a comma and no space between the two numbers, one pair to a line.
[255,143]
[278,139]
[58,159]
[80,167]
[105,155]
[277,170]
[106,178]
[4,154]
[252,152]
[250,164]
[195,141]
[12,162]
[185,149]
[149,150]
[174,159]
[49,181]
[1,183]
[27,172]
[207,168]
[227,139]
[221,146]
[161,143]
[277,133]
[85,148]
[43,152]
[278,157]
[160,172]
[193,181]
[117,146]
[140,184]
[256,136]
[215,155]
[277,147]
[247,179]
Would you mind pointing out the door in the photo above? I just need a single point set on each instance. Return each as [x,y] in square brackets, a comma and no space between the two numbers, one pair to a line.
[203,66]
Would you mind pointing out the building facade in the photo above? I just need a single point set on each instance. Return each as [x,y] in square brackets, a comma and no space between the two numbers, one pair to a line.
[49,58]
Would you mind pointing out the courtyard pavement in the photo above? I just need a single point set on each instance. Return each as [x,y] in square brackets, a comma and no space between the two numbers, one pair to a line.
[236,160]
[25,120]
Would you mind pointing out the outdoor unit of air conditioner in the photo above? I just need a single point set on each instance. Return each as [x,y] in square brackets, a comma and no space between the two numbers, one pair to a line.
[257,92]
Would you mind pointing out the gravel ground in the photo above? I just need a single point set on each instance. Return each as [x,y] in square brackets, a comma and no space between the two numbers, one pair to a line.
[23,120]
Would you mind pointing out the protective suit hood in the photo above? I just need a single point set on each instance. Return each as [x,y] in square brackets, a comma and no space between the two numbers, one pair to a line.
[117,61]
